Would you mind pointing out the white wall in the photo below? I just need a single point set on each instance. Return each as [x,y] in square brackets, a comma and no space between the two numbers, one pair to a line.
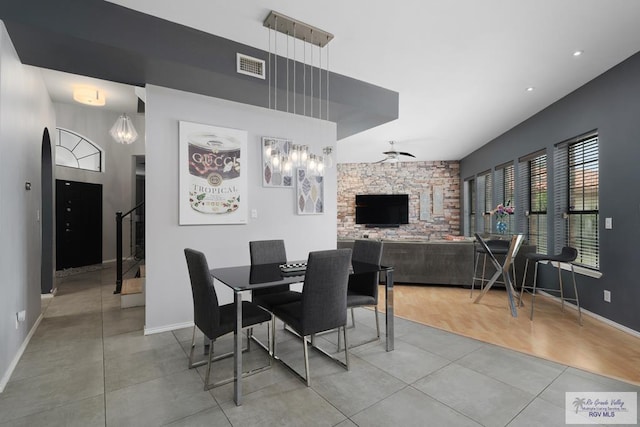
[117,178]
[168,294]
[25,111]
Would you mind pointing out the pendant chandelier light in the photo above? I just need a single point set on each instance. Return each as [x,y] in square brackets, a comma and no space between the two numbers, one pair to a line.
[315,81]
[123,130]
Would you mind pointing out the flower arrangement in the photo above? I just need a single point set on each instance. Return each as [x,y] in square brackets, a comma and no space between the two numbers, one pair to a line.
[501,212]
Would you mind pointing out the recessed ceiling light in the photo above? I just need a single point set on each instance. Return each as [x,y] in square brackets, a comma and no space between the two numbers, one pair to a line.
[578,52]
[530,89]
[89,96]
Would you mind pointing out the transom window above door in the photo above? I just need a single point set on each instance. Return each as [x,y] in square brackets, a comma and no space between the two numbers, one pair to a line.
[76,151]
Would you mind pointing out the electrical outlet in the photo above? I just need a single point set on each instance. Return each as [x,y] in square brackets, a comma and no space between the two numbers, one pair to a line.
[607,296]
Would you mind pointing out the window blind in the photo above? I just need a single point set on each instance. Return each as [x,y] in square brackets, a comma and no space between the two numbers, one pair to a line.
[472,206]
[488,201]
[583,208]
[538,203]
[507,190]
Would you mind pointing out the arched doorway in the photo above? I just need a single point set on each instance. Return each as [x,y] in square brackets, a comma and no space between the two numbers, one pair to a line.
[46,181]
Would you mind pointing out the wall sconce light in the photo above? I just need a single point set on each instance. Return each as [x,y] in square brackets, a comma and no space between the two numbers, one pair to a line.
[123,130]
[328,158]
[89,96]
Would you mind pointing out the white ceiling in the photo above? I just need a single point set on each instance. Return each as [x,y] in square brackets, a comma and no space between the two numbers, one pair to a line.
[461,67]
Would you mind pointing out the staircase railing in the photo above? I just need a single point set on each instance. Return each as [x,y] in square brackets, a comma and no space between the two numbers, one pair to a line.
[137,254]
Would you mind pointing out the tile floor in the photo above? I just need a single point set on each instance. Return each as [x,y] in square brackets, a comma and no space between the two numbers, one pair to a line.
[89,364]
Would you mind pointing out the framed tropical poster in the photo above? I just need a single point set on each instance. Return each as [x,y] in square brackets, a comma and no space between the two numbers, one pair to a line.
[213,180]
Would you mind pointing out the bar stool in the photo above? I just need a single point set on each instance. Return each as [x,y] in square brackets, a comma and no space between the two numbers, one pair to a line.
[497,247]
[566,256]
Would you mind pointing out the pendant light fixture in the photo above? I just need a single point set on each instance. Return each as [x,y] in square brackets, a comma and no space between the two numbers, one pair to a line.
[123,130]
[312,38]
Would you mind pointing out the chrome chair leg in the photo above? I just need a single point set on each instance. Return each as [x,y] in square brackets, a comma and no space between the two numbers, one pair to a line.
[524,282]
[353,318]
[475,273]
[533,292]
[484,268]
[208,386]
[269,340]
[575,290]
[306,360]
[193,346]
[561,287]
[193,364]
[346,346]
[273,336]
[375,308]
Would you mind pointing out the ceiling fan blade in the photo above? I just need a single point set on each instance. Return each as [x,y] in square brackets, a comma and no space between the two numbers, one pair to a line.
[381,161]
[406,154]
[390,152]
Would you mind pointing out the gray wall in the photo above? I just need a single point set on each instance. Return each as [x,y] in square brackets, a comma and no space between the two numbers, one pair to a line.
[25,111]
[610,104]
[168,294]
[117,178]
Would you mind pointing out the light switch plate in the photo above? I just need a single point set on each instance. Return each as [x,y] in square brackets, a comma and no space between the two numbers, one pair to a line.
[608,223]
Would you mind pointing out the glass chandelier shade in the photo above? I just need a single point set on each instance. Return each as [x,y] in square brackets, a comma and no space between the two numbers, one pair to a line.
[123,130]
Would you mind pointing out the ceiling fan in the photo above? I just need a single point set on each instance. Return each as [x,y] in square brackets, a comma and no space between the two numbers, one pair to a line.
[393,155]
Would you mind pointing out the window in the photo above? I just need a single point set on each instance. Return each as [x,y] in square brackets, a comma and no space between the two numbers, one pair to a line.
[471,203]
[488,201]
[532,194]
[505,191]
[577,214]
[76,151]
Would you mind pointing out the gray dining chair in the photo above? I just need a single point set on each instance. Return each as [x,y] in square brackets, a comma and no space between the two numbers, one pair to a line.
[323,306]
[216,320]
[362,290]
[271,252]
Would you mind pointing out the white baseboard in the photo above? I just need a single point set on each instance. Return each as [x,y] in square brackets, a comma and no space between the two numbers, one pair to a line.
[109,261]
[167,328]
[51,294]
[594,315]
[7,375]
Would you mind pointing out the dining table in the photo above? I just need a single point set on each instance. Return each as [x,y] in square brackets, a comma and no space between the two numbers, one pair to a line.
[245,278]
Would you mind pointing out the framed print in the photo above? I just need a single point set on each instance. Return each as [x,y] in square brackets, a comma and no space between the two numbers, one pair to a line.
[309,193]
[277,162]
[213,183]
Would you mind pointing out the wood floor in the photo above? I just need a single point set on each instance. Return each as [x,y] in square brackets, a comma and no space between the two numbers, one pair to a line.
[553,334]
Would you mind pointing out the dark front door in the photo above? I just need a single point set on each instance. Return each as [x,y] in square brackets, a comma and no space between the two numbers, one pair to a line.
[78,224]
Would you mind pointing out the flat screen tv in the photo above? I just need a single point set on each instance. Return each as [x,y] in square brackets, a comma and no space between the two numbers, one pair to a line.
[382,210]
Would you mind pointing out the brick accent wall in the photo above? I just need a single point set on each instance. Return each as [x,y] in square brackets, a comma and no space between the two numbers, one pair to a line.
[412,178]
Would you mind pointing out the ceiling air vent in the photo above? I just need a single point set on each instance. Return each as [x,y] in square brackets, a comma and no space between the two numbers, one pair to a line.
[250,66]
